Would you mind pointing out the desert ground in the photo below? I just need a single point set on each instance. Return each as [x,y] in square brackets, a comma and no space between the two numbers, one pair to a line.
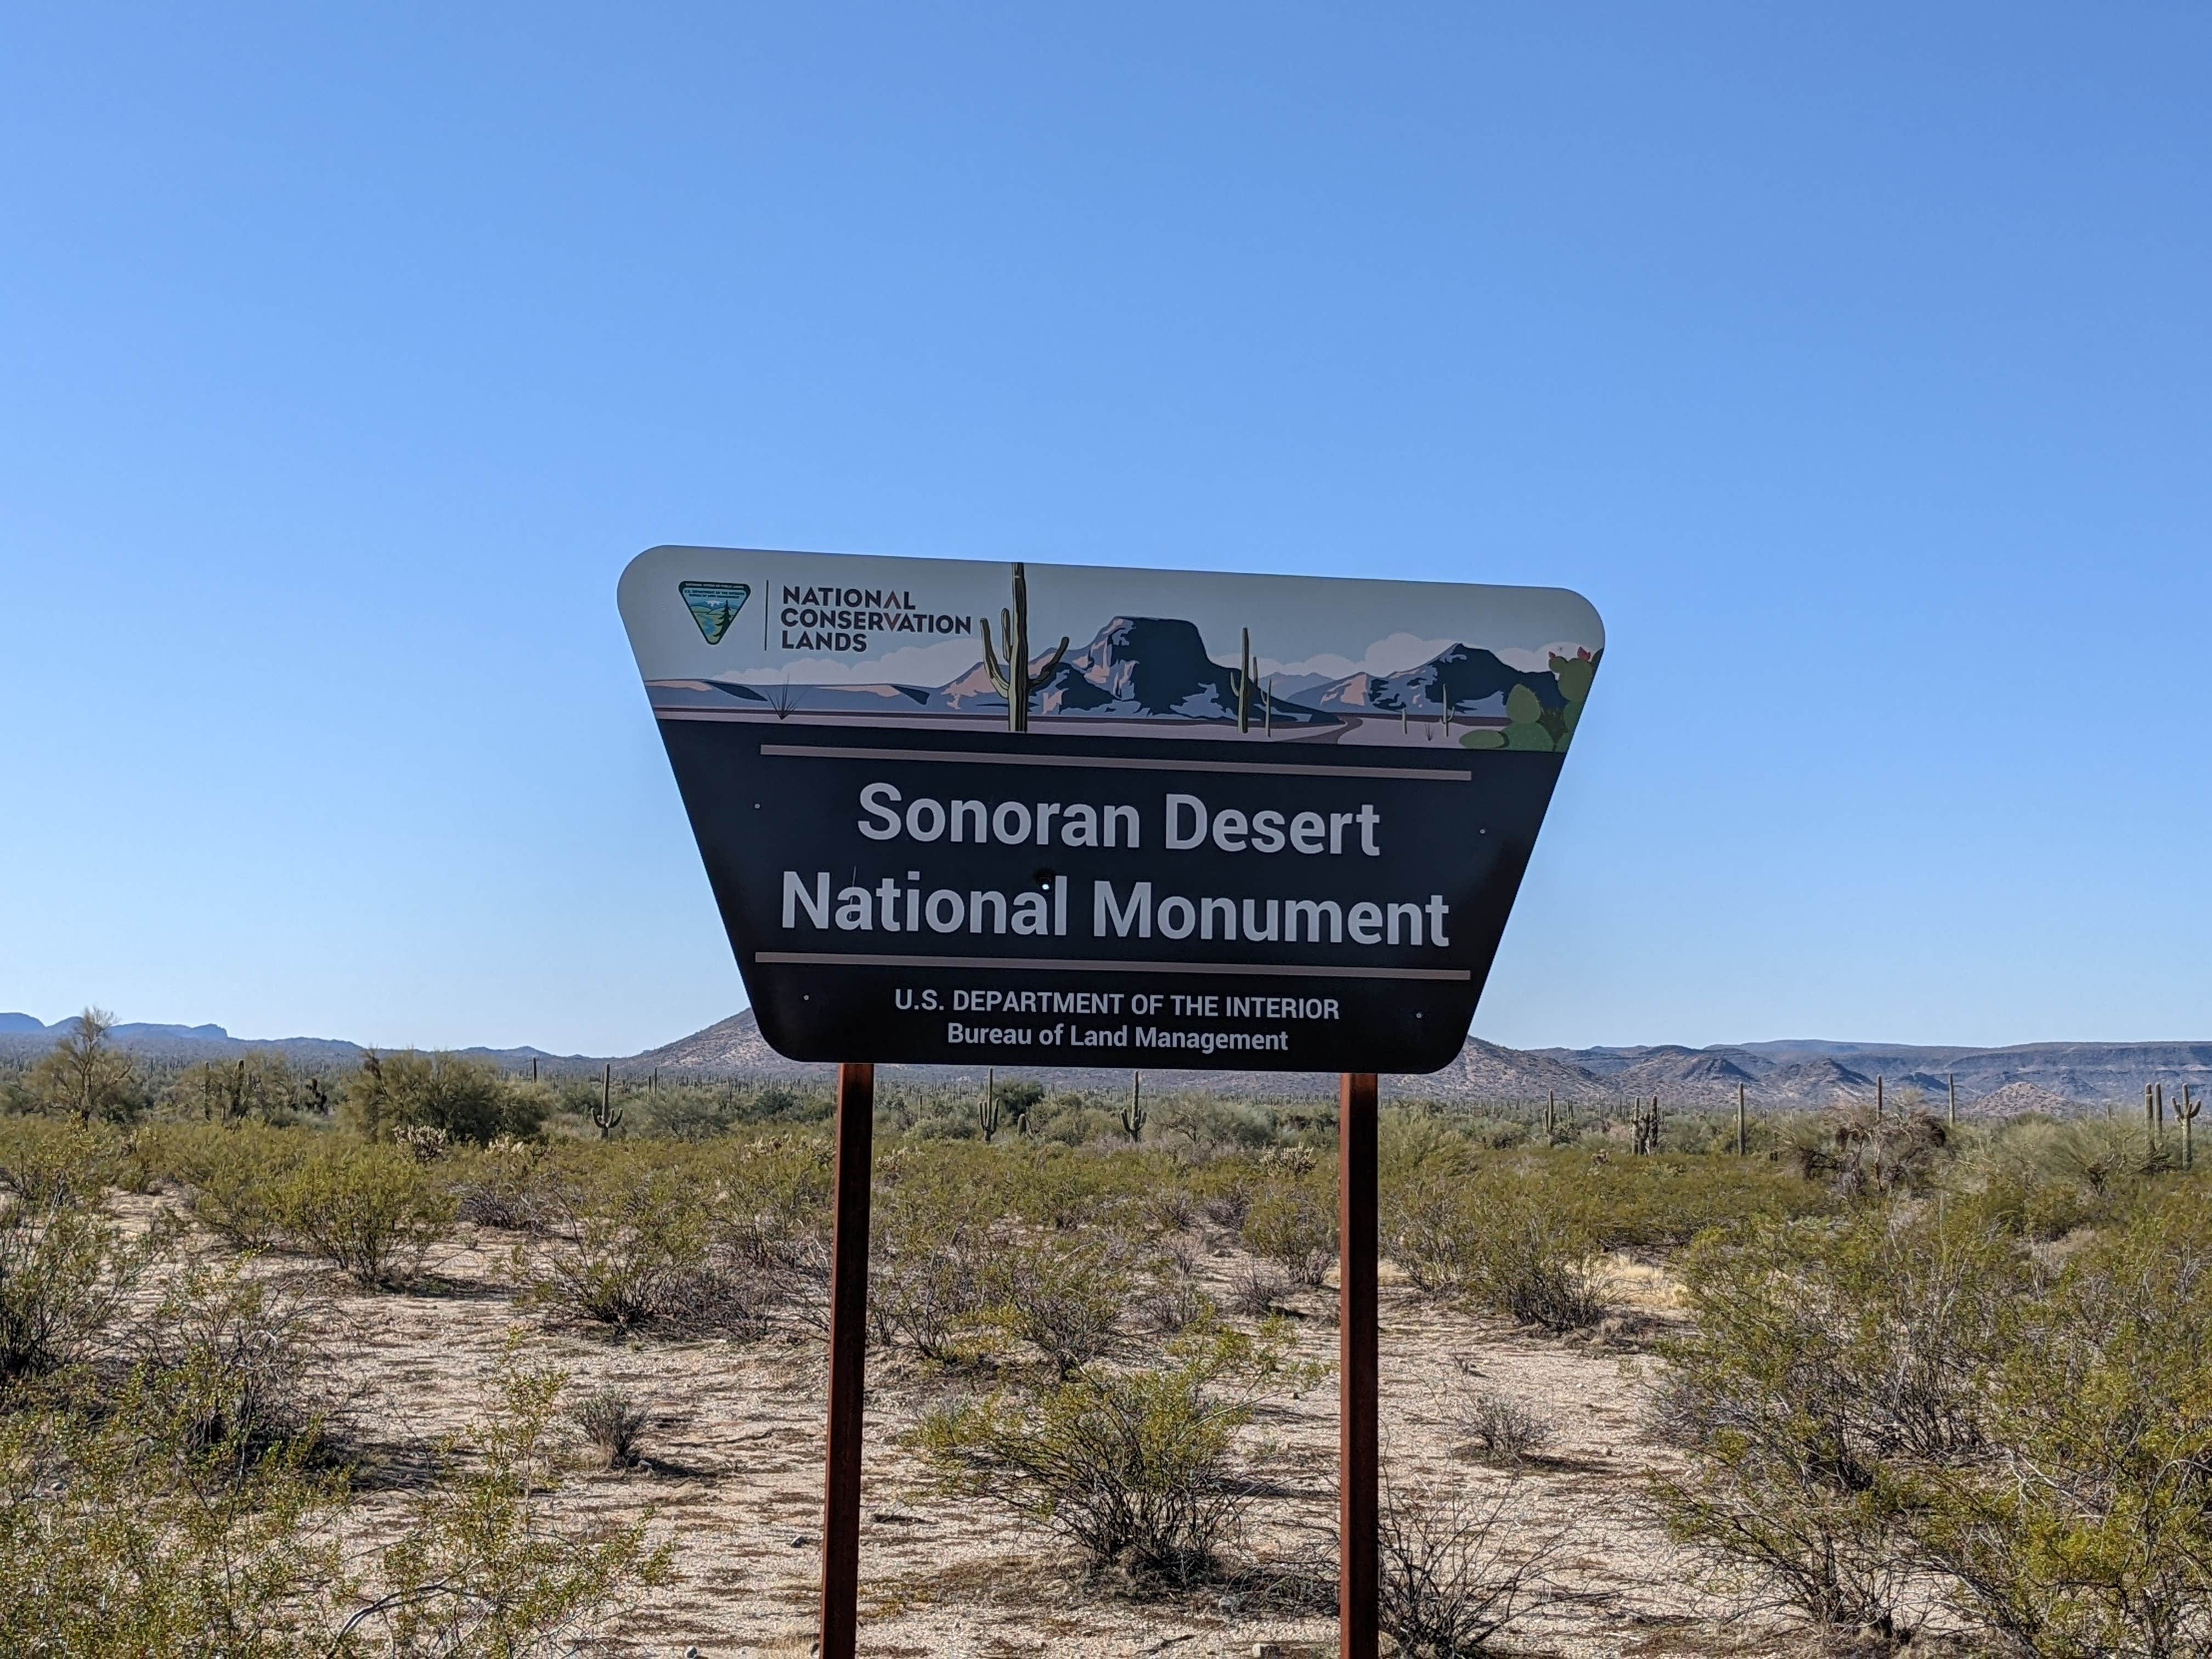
[731,1474]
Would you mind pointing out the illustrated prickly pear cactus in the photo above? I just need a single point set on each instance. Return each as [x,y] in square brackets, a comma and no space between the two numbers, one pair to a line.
[1574,675]
[1529,724]
[1014,681]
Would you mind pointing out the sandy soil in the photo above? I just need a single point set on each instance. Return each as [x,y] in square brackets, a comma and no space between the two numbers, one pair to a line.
[733,1477]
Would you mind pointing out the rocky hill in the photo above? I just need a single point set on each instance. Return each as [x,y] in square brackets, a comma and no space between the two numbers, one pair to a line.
[1773,1075]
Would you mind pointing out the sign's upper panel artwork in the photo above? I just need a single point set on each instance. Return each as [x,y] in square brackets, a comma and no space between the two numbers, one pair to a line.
[811,639]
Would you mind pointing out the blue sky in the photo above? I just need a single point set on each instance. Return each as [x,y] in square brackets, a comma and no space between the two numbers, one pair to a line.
[1854,361]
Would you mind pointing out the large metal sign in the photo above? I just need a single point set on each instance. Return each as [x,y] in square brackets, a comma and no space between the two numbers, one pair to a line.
[957,812]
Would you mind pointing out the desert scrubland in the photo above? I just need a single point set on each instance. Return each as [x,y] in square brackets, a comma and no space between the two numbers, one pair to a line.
[420,1358]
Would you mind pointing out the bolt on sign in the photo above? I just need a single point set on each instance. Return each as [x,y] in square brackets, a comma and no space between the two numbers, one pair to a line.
[959,812]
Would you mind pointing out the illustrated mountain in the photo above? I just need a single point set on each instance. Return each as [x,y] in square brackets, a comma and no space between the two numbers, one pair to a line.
[1158,668]
[1140,668]
[1475,682]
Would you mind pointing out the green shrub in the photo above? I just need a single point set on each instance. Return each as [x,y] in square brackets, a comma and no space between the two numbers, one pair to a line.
[238,1178]
[233,1362]
[615,1423]
[372,1213]
[2084,1525]
[506,1184]
[84,1075]
[45,1162]
[490,1564]
[1293,1224]
[929,1286]
[467,1099]
[631,1235]
[64,1274]
[1136,1469]
[1424,1227]
[643,1239]
[1063,1295]
[1454,1571]
[126,1529]
[1862,1155]
[1664,1201]
[1500,1242]
[1524,1260]
[1828,1362]
[774,1191]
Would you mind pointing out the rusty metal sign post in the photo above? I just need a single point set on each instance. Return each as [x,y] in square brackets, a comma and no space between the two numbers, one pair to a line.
[981,814]
[848,1360]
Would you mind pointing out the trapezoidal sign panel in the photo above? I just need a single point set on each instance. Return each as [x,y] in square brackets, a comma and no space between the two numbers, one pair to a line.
[959,812]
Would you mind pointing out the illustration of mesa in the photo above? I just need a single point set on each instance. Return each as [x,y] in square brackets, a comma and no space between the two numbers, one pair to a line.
[1256,822]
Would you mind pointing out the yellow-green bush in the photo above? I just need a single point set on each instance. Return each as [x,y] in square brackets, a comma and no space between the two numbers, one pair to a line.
[127,1528]
[237,1178]
[371,1212]
[1292,1222]
[1921,1399]
[1136,1468]
[468,1100]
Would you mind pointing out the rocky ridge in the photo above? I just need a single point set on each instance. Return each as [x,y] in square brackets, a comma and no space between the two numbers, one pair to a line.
[1773,1075]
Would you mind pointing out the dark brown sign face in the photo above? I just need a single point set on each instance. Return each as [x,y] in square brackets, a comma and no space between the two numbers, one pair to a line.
[1140,857]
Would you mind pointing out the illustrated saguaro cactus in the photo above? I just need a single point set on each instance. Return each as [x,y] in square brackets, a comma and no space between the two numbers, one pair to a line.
[1132,1114]
[1244,686]
[1013,679]
[606,1116]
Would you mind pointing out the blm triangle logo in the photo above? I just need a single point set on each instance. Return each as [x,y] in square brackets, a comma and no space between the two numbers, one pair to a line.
[715,605]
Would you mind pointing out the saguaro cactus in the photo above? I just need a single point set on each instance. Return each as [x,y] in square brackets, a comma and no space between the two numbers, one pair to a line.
[987,1114]
[1647,1127]
[606,1116]
[1013,680]
[1132,1114]
[2186,1110]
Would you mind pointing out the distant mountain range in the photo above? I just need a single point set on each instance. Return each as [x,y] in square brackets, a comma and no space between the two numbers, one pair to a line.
[1788,1075]
[23,1037]
[1774,1076]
